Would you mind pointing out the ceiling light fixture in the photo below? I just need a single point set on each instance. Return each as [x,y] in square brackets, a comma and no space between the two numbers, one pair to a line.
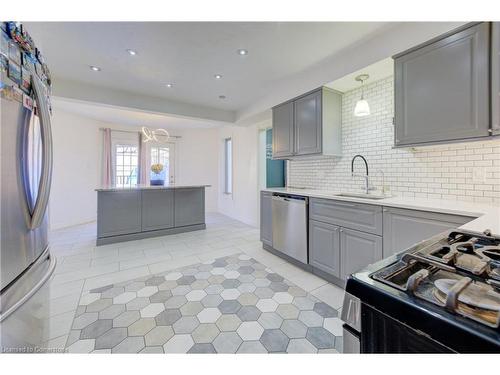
[217,76]
[95,68]
[362,107]
[131,52]
[152,135]
[222,97]
[169,85]
[242,52]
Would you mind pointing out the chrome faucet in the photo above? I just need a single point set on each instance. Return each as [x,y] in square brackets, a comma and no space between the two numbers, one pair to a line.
[367,187]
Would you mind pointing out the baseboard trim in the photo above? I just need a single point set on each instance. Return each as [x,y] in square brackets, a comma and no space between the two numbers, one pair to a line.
[306,267]
[149,234]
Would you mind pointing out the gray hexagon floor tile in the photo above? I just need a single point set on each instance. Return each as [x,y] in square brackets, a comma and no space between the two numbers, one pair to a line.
[129,345]
[274,340]
[320,338]
[186,324]
[232,304]
[111,338]
[202,348]
[227,342]
[126,318]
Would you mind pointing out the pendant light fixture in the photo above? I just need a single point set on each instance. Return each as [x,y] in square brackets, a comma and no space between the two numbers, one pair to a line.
[362,108]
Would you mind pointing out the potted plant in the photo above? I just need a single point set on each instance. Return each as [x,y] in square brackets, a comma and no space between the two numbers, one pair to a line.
[157,178]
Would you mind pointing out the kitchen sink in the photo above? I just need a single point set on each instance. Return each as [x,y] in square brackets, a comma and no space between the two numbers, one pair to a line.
[362,195]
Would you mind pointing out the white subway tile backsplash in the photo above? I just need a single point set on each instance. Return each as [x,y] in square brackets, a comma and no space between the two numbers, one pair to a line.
[440,171]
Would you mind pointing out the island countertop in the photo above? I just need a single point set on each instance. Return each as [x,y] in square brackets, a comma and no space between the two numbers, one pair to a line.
[149,187]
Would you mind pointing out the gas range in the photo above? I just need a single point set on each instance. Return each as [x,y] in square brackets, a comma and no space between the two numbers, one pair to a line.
[444,291]
[460,273]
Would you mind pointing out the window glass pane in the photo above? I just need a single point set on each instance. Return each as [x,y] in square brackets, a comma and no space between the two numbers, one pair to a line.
[126,157]
[160,155]
[228,153]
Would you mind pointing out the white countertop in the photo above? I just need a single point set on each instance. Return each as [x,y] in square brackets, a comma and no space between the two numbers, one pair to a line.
[487,216]
[149,187]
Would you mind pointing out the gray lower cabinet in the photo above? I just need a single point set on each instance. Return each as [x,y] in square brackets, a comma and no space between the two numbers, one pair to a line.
[266,218]
[308,129]
[189,206]
[157,209]
[495,78]
[324,247]
[283,130]
[442,88]
[404,228]
[357,250]
[118,212]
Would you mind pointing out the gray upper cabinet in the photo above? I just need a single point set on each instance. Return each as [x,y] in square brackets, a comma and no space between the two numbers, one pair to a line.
[189,206]
[495,78]
[119,212]
[404,228]
[308,125]
[358,249]
[307,114]
[283,130]
[266,218]
[157,209]
[442,88]
[324,247]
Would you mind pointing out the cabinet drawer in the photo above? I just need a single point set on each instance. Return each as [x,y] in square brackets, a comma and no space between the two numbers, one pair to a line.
[359,216]
[404,228]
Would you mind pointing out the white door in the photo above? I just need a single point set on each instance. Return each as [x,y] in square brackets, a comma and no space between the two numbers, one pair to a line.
[165,154]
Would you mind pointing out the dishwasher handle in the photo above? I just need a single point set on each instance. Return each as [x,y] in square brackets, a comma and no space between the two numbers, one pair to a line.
[290,198]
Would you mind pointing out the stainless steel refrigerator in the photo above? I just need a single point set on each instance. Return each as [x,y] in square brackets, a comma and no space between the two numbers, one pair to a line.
[25,178]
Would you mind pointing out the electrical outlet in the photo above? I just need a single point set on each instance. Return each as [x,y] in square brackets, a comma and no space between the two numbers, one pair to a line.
[479,175]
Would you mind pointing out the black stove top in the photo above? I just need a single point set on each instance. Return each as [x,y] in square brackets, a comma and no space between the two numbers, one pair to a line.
[447,287]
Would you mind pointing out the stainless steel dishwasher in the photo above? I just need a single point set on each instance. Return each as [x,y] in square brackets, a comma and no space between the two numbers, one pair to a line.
[290,225]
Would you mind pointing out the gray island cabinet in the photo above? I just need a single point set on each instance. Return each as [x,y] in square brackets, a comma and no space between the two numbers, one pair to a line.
[125,214]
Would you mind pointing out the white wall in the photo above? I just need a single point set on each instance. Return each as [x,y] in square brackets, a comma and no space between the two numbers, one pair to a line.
[77,154]
[243,204]
[77,166]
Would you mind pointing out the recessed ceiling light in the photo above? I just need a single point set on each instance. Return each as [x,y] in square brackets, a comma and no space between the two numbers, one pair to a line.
[131,52]
[217,76]
[169,85]
[95,68]
[222,97]
[242,52]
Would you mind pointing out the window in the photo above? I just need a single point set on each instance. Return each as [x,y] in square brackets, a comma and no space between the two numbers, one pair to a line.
[161,155]
[228,166]
[126,165]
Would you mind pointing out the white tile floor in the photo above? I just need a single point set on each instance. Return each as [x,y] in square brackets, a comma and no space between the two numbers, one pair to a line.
[82,266]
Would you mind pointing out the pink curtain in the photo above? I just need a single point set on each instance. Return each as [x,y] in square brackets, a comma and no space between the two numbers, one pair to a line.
[143,161]
[107,166]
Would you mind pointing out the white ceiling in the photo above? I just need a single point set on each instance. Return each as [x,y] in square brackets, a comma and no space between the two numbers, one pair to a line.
[188,54]
[377,71]
[127,116]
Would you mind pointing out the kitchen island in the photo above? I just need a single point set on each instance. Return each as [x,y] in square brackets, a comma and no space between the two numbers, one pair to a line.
[137,212]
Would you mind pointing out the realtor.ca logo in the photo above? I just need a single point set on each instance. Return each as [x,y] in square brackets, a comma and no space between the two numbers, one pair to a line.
[32,349]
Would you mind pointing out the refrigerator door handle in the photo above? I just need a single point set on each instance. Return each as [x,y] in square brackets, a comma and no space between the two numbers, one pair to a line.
[42,199]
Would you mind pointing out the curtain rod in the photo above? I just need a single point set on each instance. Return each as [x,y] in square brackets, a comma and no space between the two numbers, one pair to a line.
[131,131]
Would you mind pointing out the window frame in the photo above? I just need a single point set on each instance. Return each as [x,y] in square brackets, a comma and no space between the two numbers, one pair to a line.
[116,145]
[228,165]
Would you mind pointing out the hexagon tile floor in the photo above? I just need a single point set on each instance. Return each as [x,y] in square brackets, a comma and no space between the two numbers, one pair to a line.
[228,305]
